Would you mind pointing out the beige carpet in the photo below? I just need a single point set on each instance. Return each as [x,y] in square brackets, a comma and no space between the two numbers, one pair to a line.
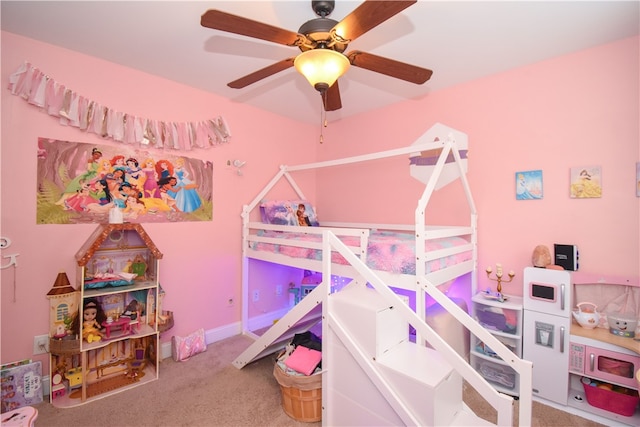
[208,391]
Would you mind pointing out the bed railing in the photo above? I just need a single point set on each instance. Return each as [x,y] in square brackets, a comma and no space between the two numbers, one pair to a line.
[501,402]
[362,232]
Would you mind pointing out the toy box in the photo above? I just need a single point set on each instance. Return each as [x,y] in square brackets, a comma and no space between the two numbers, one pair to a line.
[21,384]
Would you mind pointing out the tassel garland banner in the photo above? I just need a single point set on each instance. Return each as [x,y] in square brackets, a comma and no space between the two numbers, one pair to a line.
[73,109]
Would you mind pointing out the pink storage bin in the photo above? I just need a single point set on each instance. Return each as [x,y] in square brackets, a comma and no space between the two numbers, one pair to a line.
[622,403]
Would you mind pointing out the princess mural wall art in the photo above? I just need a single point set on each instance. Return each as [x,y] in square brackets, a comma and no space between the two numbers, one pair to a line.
[81,183]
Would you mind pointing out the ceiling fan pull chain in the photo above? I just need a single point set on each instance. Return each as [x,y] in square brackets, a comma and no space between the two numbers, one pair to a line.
[323,120]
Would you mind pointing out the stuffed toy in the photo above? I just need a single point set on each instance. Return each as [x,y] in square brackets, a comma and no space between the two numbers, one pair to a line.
[541,258]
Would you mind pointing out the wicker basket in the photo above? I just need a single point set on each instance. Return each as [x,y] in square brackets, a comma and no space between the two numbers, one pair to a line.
[301,395]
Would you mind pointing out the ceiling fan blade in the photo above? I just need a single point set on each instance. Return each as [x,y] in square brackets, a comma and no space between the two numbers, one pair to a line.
[367,16]
[223,21]
[389,67]
[261,74]
[331,98]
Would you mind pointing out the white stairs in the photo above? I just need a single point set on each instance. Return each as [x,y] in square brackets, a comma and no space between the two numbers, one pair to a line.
[373,374]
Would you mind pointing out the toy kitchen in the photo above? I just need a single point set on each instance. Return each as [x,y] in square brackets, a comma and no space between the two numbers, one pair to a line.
[583,339]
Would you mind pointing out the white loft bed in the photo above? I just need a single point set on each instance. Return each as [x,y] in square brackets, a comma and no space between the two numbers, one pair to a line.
[445,149]
[440,156]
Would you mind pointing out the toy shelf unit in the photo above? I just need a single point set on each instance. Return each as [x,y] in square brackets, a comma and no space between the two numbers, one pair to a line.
[117,323]
[504,321]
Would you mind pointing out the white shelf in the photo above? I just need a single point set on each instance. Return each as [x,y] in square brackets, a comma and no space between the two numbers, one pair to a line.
[142,331]
[511,302]
[108,290]
[497,360]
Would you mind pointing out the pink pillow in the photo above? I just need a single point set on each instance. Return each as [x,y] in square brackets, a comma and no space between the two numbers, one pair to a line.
[182,348]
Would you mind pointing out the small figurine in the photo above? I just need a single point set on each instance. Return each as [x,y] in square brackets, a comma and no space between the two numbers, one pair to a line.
[93,316]
[497,296]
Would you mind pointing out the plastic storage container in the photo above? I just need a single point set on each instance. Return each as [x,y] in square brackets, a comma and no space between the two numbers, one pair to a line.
[496,373]
[497,319]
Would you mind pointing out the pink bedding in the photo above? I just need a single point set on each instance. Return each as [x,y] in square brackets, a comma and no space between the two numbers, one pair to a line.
[387,251]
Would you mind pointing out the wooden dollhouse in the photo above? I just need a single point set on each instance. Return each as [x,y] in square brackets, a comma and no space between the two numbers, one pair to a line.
[118,296]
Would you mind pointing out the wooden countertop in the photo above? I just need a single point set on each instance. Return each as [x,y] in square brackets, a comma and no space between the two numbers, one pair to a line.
[604,335]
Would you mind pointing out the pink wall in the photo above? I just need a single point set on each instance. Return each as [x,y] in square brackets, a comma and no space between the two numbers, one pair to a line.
[201,266]
[577,110]
[572,111]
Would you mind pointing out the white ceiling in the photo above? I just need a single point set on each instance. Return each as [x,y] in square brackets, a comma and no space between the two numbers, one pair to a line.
[459,40]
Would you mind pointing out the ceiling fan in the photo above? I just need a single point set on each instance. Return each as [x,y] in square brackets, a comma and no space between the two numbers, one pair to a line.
[322,42]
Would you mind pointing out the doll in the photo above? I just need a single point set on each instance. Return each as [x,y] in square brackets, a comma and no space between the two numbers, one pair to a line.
[131,310]
[303,218]
[92,318]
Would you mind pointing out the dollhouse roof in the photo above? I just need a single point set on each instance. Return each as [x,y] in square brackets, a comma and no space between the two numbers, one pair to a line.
[104,232]
[61,286]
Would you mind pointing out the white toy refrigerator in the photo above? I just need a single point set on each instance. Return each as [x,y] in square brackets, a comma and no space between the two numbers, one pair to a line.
[547,329]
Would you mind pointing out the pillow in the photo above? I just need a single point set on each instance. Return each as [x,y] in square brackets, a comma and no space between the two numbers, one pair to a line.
[182,348]
[288,212]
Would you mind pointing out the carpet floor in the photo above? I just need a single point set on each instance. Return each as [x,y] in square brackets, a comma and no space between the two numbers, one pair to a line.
[207,390]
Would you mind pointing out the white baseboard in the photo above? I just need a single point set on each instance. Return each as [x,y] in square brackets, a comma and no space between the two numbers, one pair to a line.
[232,329]
[210,336]
[267,319]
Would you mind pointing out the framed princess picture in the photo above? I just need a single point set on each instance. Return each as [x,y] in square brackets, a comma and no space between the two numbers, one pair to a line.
[529,185]
[586,182]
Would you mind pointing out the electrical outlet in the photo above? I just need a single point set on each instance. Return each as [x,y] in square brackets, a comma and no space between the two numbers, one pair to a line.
[278,290]
[256,296]
[41,344]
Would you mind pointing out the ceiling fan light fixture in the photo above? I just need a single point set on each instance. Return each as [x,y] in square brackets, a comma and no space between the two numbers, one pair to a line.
[321,67]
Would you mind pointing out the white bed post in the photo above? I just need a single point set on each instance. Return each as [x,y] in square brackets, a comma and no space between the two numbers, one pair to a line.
[473,217]
[245,269]
[420,232]
[246,211]
[327,357]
